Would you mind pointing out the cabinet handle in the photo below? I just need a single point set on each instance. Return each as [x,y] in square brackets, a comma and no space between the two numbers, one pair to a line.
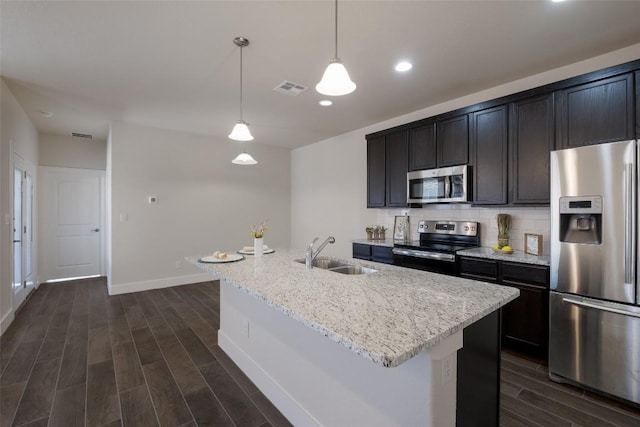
[95,230]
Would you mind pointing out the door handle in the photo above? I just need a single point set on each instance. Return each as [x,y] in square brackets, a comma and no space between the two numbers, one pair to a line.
[17,241]
[95,230]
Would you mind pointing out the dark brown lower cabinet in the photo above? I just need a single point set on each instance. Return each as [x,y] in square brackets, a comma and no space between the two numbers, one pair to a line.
[373,253]
[525,320]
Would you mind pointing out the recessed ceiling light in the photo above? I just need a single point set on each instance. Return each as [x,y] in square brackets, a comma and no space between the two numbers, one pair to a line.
[325,103]
[403,66]
[46,113]
[557,1]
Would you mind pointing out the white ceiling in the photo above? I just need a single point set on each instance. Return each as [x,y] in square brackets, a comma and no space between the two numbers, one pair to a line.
[173,65]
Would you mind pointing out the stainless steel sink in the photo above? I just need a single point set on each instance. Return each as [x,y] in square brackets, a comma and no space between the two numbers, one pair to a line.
[338,266]
[353,269]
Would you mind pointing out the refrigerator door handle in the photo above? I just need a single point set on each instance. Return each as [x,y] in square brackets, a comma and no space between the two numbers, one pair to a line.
[629,213]
[600,306]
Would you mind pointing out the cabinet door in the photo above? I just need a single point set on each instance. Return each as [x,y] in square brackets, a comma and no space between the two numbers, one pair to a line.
[397,149]
[531,139]
[489,130]
[362,251]
[422,148]
[525,321]
[596,112]
[376,178]
[452,140]
[382,254]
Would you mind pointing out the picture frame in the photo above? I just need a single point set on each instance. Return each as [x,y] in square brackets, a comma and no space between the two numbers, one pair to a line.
[533,244]
[401,229]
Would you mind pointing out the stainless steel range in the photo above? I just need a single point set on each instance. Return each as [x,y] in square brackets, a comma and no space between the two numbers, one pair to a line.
[437,247]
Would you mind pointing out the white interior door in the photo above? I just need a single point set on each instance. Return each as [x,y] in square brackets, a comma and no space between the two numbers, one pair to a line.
[73,223]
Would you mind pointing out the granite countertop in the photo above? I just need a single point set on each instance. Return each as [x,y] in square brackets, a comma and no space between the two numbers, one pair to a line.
[386,242]
[387,317]
[517,256]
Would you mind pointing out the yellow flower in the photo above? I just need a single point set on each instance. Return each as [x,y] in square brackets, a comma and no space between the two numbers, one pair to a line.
[258,232]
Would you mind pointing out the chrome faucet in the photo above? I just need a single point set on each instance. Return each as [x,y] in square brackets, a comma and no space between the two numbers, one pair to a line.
[311,254]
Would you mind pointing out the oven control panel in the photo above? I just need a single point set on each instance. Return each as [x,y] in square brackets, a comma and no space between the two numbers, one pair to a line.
[465,228]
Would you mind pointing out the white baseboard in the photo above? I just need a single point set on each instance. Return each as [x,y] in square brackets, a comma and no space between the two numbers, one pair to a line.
[125,288]
[6,321]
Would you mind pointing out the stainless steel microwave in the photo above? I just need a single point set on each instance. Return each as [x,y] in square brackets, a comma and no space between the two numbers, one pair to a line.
[444,185]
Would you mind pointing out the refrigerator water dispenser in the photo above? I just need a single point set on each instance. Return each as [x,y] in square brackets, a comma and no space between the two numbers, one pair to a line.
[581,220]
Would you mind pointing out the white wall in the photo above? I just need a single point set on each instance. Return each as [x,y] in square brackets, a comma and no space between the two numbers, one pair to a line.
[205,202]
[71,152]
[329,178]
[17,131]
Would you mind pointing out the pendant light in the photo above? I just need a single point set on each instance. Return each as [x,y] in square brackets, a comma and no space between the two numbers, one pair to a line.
[335,80]
[241,131]
[244,159]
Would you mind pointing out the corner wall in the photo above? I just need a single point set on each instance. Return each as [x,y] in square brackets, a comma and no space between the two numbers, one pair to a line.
[205,203]
[17,131]
[328,193]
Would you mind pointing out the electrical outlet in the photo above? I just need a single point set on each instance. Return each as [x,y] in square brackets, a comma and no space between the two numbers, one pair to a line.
[447,369]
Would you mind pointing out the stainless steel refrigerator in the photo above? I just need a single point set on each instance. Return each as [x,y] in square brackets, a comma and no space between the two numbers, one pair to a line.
[594,304]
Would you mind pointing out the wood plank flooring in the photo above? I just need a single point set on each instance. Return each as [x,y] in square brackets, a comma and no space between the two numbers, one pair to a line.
[529,398]
[75,356]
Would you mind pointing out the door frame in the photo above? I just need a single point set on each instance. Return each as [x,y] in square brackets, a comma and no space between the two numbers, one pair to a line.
[44,177]
[17,161]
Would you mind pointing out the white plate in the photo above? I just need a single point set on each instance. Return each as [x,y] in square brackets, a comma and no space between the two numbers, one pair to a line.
[268,251]
[212,259]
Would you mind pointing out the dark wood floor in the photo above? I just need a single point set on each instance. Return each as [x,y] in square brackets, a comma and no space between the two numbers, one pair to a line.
[76,356]
[529,398]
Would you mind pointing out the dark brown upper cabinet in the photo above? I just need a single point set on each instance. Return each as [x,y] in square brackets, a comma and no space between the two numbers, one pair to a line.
[397,147]
[376,177]
[531,139]
[596,112]
[489,141]
[422,148]
[452,141]
[387,167]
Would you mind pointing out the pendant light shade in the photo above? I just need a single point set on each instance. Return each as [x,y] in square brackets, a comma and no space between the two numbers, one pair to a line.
[244,159]
[241,131]
[335,80]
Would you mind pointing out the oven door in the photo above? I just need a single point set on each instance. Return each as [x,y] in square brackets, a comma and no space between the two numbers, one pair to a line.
[434,262]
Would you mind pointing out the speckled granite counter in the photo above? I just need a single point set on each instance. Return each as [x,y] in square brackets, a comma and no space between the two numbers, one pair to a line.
[387,317]
[386,242]
[517,256]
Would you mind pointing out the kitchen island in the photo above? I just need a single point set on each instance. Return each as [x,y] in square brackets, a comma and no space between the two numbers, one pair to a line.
[334,349]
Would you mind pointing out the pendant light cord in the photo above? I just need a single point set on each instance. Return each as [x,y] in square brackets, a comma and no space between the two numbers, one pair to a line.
[336,13]
[241,83]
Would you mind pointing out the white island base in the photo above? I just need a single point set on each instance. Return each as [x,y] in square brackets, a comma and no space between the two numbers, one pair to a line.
[314,380]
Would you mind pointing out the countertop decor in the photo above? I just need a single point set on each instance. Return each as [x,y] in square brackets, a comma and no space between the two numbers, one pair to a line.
[388,316]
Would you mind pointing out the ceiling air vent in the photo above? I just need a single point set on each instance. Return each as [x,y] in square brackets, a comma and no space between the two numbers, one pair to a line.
[81,135]
[290,88]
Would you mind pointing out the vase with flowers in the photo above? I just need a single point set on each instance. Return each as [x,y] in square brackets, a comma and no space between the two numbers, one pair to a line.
[504,224]
[257,232]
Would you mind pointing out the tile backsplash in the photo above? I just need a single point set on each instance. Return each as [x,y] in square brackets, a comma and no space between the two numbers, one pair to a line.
[523,220]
